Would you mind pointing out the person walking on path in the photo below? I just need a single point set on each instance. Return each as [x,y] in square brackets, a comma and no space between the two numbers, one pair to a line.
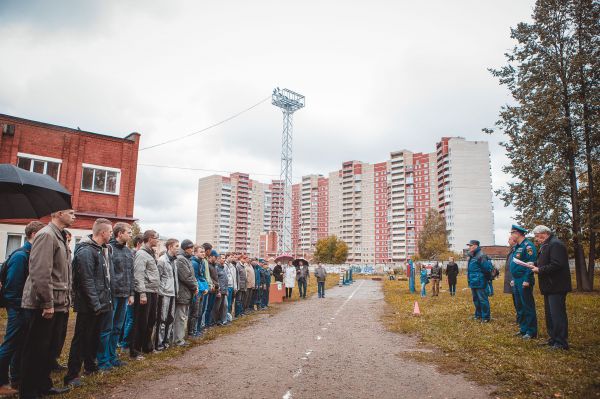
[302,275]
[187,289]
[92,302]
[451,274]
[289,279]
[522,282]
[479,269]
[146,284]
[17,269]
[321,276]
[423,279]
[436,277]
[554,274]
[167,291]
[46,301]
[122,292]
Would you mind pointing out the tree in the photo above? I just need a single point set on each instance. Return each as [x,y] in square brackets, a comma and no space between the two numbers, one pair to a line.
[135,230]
[552,128]
[331,250]
[433,238]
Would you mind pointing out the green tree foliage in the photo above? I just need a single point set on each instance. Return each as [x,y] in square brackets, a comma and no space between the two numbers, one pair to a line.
[552,128]
[331,250]
[433,238]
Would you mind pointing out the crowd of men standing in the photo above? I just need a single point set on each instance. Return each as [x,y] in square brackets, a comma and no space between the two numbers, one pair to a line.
[135,299]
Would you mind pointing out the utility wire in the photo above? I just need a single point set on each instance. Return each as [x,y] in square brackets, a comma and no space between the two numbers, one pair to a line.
[202,170]
[207,128]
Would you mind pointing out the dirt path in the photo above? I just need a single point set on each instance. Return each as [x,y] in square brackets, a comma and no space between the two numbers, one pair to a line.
[334,347]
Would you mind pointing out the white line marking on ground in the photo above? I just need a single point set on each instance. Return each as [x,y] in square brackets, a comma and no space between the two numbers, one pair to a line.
[288,395]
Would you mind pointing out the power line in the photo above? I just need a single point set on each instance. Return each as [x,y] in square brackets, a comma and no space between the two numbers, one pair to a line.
[207,128]
[201,170]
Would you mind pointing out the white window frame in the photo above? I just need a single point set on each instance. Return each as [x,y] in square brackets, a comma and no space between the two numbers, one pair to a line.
[43,159]
[105,168]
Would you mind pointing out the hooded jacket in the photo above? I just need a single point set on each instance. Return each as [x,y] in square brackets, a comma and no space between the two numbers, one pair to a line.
[479,265]
[145,271]
[187,279]
[91,278]
[121,272]
[49,282]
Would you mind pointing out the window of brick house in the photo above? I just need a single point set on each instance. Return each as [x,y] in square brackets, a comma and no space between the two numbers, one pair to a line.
[100,179]
[38,164]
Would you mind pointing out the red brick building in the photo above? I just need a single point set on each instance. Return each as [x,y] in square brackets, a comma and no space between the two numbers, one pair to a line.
[99,170]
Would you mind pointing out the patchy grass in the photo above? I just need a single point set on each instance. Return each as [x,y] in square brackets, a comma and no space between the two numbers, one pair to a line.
[156,365]
[490,353]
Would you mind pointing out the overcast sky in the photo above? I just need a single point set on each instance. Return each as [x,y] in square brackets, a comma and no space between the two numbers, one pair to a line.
[378,76]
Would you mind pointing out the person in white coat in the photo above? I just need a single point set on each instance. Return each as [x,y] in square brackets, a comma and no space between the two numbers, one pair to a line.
[289,278]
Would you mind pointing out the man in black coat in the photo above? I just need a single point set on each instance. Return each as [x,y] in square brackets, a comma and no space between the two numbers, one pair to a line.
[552,267]
[92,299]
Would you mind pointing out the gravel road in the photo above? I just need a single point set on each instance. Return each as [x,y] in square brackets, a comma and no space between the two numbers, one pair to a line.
[335,347]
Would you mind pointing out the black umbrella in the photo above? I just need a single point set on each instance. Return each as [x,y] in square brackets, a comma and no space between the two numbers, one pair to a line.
[299,261]
[28,195]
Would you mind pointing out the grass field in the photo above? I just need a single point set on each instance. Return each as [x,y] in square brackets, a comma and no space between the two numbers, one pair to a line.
[490,353]
[157,364]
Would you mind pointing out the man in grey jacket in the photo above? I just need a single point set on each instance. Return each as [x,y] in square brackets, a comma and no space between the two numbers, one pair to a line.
[46,299]
[146,283]
[188,288]
[321,275]
[240,297]
[167,291]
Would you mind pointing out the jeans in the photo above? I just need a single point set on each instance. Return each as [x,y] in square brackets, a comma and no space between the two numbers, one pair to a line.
[126,338]
[490,288]
[452,288]
[240,298]
[525,306]
[106,326]
[321,288]
[481,302]
[37,352]
[265,297]
[230,300]
[557,323]
[10,350]
[85,343]
[203,314]
[423,290]
[118,320]
[302,287]
[209,321]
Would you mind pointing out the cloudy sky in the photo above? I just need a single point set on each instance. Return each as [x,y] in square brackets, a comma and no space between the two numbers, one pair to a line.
[378,76]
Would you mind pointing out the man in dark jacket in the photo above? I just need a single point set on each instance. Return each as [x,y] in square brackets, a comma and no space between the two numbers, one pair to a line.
[552,267]
[121,285]
[278,272]
[219,312]
[451,273]
[188,288]
[17,268]
[478,271]
[436,277]
[92,299]
[240,297]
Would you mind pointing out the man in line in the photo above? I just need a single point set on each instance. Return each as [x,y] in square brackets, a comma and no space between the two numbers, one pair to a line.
[554,274]
[266,280]
[522,283]
[436,277]
[250,286]
[219,312]
[211,256]
[92,300]
[58,343]
[137,242]
[121,284]
[478,271]
[232,282]
[146,283]
[194,321]
[167,290]
[240,297]
[321,276]
[46,300]
[188,288]
[17,269]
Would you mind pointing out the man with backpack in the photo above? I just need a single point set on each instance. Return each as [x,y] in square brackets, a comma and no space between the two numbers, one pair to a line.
[12,277]
[479,271]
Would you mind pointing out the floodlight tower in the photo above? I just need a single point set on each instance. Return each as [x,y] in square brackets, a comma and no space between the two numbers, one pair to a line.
[289,102]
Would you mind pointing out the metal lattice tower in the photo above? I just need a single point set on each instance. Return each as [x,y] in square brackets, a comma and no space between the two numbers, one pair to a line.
[289,102]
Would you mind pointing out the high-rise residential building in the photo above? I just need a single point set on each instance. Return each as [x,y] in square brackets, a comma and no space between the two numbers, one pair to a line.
[377,209]
[465,190]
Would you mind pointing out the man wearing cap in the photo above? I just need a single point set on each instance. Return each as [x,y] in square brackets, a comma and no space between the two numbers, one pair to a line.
[522,282]
[187,289]
[478,271]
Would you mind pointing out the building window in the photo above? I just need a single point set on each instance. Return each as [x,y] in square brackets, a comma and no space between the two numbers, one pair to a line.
[14,241]
[100,179]
[38,164]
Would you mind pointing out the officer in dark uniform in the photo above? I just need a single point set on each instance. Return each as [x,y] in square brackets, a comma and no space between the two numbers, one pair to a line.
[523,282]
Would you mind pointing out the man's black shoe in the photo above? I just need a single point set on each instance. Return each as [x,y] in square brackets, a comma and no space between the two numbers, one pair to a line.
[57,391]
[58,367]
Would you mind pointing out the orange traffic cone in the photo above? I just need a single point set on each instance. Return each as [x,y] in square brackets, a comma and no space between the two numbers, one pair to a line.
[416,310]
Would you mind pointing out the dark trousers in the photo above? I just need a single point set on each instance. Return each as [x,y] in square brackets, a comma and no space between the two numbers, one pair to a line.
[302,287]
[10,350]
[249,298]
[288,292]
[481,302]
[195,310]
[240,300]
[265,297]
[210,304]
[58,342]
[525,305]
[452,285]
[144,319]
[219,311]
[165,316]
[321,288]
[37,353]
[203,313]
[85,343]
[557,323]
[258,292]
